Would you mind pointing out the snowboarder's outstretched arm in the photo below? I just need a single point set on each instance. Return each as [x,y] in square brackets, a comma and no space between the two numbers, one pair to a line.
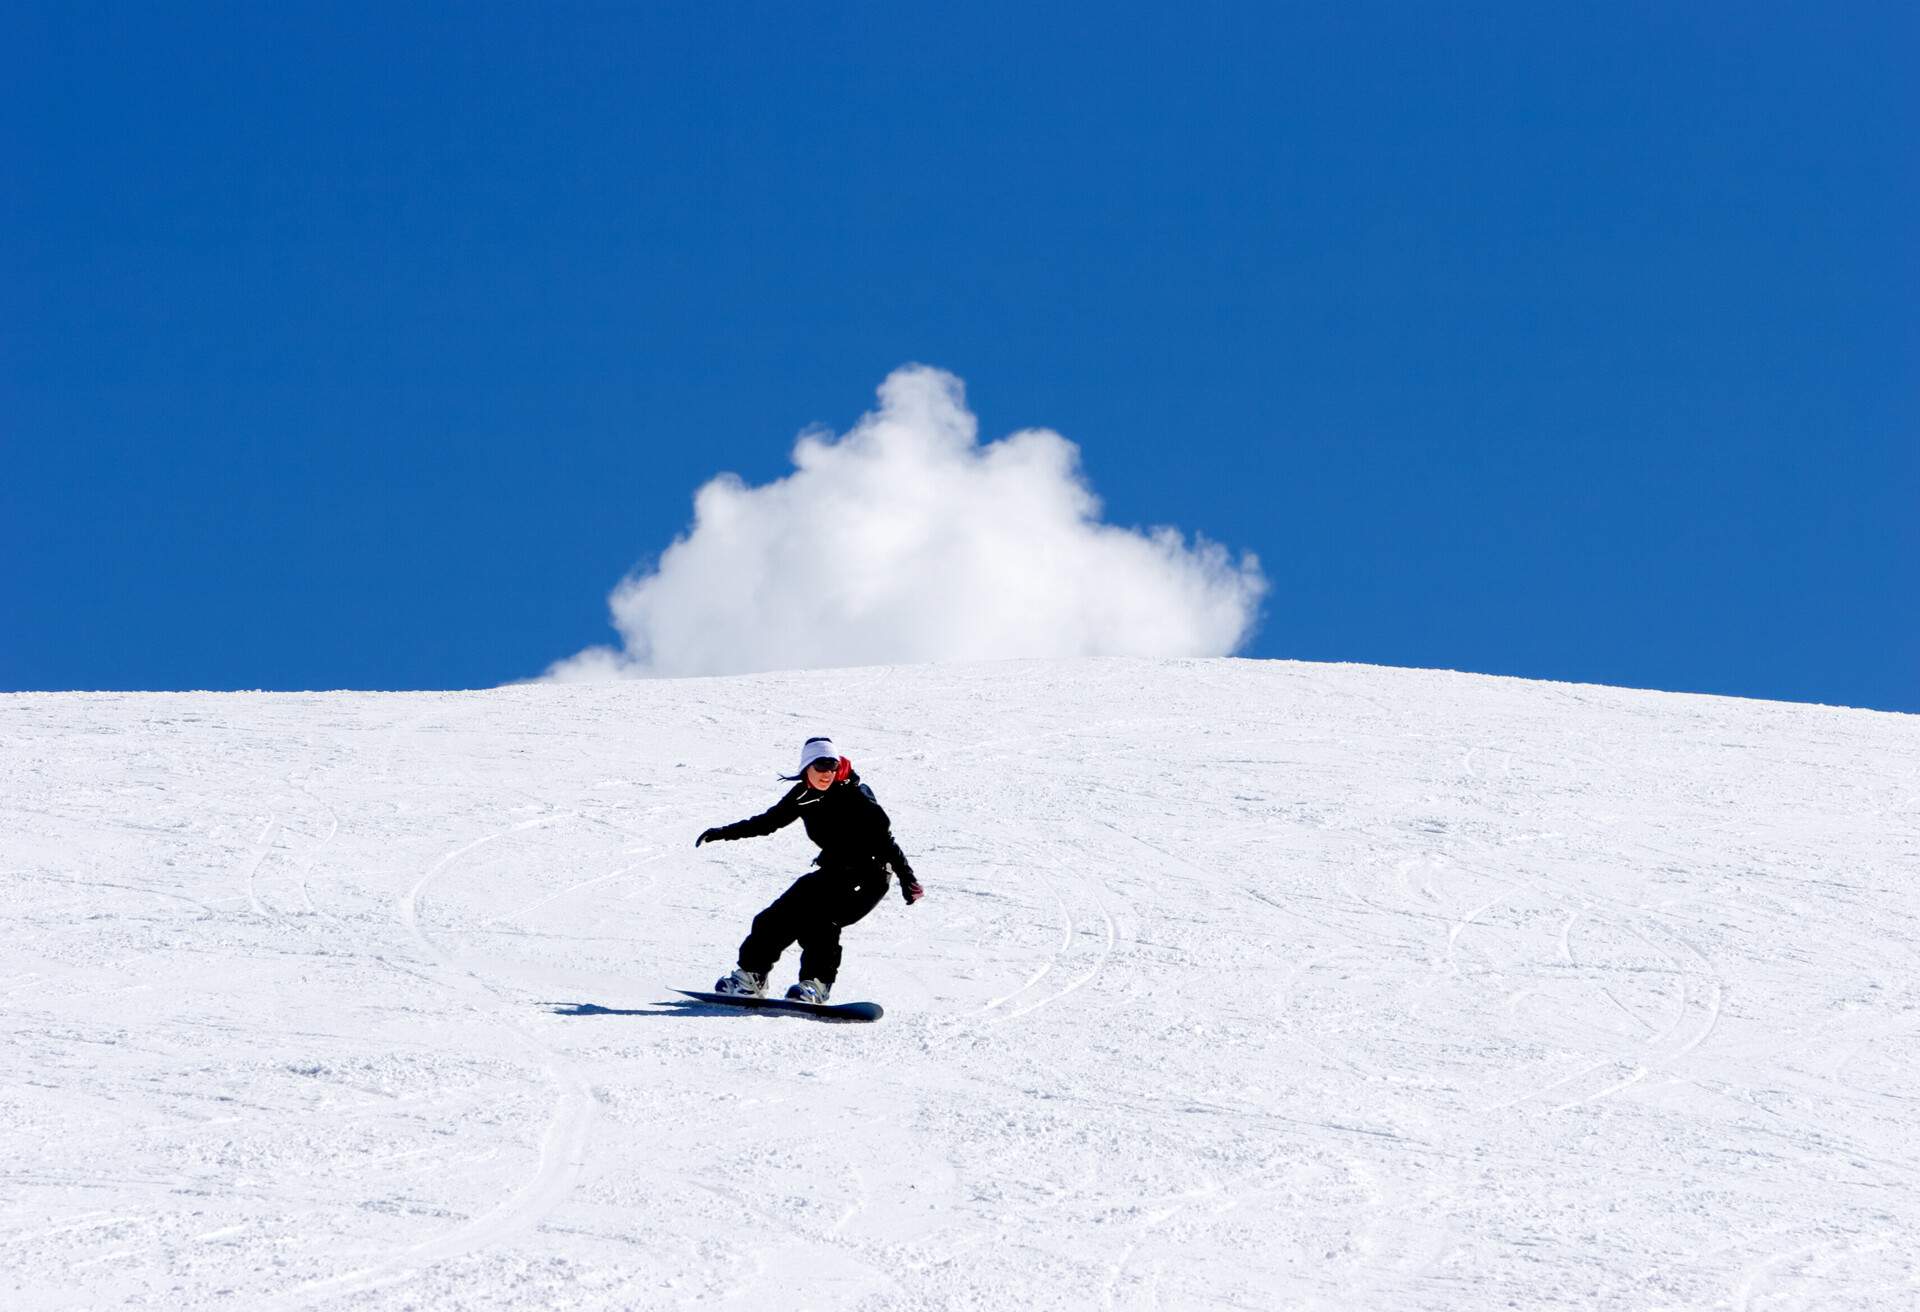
[880,831]
[781,814]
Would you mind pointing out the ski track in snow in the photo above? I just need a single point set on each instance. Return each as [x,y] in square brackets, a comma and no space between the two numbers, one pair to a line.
[562,1150]
[1238,984]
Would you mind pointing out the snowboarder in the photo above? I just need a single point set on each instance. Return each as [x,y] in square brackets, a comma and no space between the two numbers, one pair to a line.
[857,850]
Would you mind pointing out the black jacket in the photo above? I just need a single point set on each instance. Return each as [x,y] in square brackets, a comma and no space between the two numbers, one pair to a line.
[845,821]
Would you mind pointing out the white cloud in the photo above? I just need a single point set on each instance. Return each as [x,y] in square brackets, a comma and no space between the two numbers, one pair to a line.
[905,540]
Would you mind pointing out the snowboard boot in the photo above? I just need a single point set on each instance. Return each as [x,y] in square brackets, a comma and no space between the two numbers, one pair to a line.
[742,982]
[809,990]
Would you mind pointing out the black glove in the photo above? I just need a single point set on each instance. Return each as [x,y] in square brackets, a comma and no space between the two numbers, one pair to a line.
[910,888]
[706,836]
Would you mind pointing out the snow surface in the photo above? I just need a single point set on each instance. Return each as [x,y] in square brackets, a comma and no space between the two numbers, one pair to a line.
[1238,984]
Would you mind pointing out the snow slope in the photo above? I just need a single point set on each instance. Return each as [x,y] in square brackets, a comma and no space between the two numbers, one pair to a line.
[1238,984]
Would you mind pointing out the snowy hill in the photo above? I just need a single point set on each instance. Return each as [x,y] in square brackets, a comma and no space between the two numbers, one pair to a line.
[1238,984]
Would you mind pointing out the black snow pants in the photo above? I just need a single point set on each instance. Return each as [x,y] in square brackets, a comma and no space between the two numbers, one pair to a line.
[820,904]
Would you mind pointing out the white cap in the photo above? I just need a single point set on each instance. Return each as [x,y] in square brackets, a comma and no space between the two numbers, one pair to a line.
[818,749]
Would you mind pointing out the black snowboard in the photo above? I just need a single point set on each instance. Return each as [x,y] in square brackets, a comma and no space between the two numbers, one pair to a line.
[818,1010]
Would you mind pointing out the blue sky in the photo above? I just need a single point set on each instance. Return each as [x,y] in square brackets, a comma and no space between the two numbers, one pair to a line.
[371,346]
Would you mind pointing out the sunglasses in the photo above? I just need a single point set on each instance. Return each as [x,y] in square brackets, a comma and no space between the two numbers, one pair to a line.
[825,763]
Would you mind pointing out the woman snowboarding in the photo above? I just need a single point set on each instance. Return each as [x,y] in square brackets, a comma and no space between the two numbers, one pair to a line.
[849,877]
